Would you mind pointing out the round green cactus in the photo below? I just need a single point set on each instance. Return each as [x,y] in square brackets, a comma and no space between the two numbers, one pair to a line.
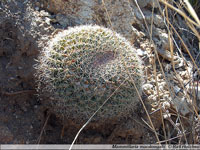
[84,66]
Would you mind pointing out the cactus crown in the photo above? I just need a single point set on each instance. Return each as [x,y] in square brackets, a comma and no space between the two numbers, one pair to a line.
[85,65]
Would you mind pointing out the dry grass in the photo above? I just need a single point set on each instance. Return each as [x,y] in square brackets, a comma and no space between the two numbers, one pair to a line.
[184,9]
[187,11]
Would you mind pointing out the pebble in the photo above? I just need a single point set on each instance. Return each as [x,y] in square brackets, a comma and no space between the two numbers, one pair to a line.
[20,68]
[165,105]
[11,78]
[63,20]
[140,52]
[166,115]
[48,20]
[152,98]
[37,8]
[179,63]
[147,88]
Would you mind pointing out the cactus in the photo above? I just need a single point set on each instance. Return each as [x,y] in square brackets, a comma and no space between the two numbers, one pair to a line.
[84,66]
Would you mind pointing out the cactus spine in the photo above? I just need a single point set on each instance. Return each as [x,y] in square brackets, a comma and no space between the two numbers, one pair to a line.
[84,66]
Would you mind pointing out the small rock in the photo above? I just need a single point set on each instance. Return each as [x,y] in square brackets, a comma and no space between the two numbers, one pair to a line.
[165,105]
[179,63]
[63,20]
[37,8]
[152,98]
[165,54]
[20,68]
[44,14]
[147,88]
[48,20]
[140,52]
[183,74]
[165,40]
[166,115]
[11,78]
[159,77]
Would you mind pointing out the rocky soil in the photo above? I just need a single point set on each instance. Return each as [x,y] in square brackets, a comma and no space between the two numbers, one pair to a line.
[26,26]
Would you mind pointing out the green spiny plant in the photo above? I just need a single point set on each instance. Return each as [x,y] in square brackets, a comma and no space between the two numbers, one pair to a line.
[84,66]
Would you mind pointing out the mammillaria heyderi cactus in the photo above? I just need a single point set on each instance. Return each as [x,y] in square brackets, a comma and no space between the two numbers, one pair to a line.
[84,66]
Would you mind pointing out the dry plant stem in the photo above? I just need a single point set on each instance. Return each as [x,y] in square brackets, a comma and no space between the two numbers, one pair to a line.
[146,112]
[136,87]
[18,92]
[143,18]
[170,139]
[155,75]
[195,97]
[169,39]
[46,121]
[185,46]
[151,30]
[168,132]
[174,125]
[157,89]
[155,50]
[194,30]
[176,44]
[94,115]
[152,126]
[191,11]
[173,65]
[190,22]
[194,15]
[185,63]
[107,14]
[147,127]
[180,12]
[162,13]
[182,127]
[181,133]
[62,132]
[175,114]
[147,124]
[132,79]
